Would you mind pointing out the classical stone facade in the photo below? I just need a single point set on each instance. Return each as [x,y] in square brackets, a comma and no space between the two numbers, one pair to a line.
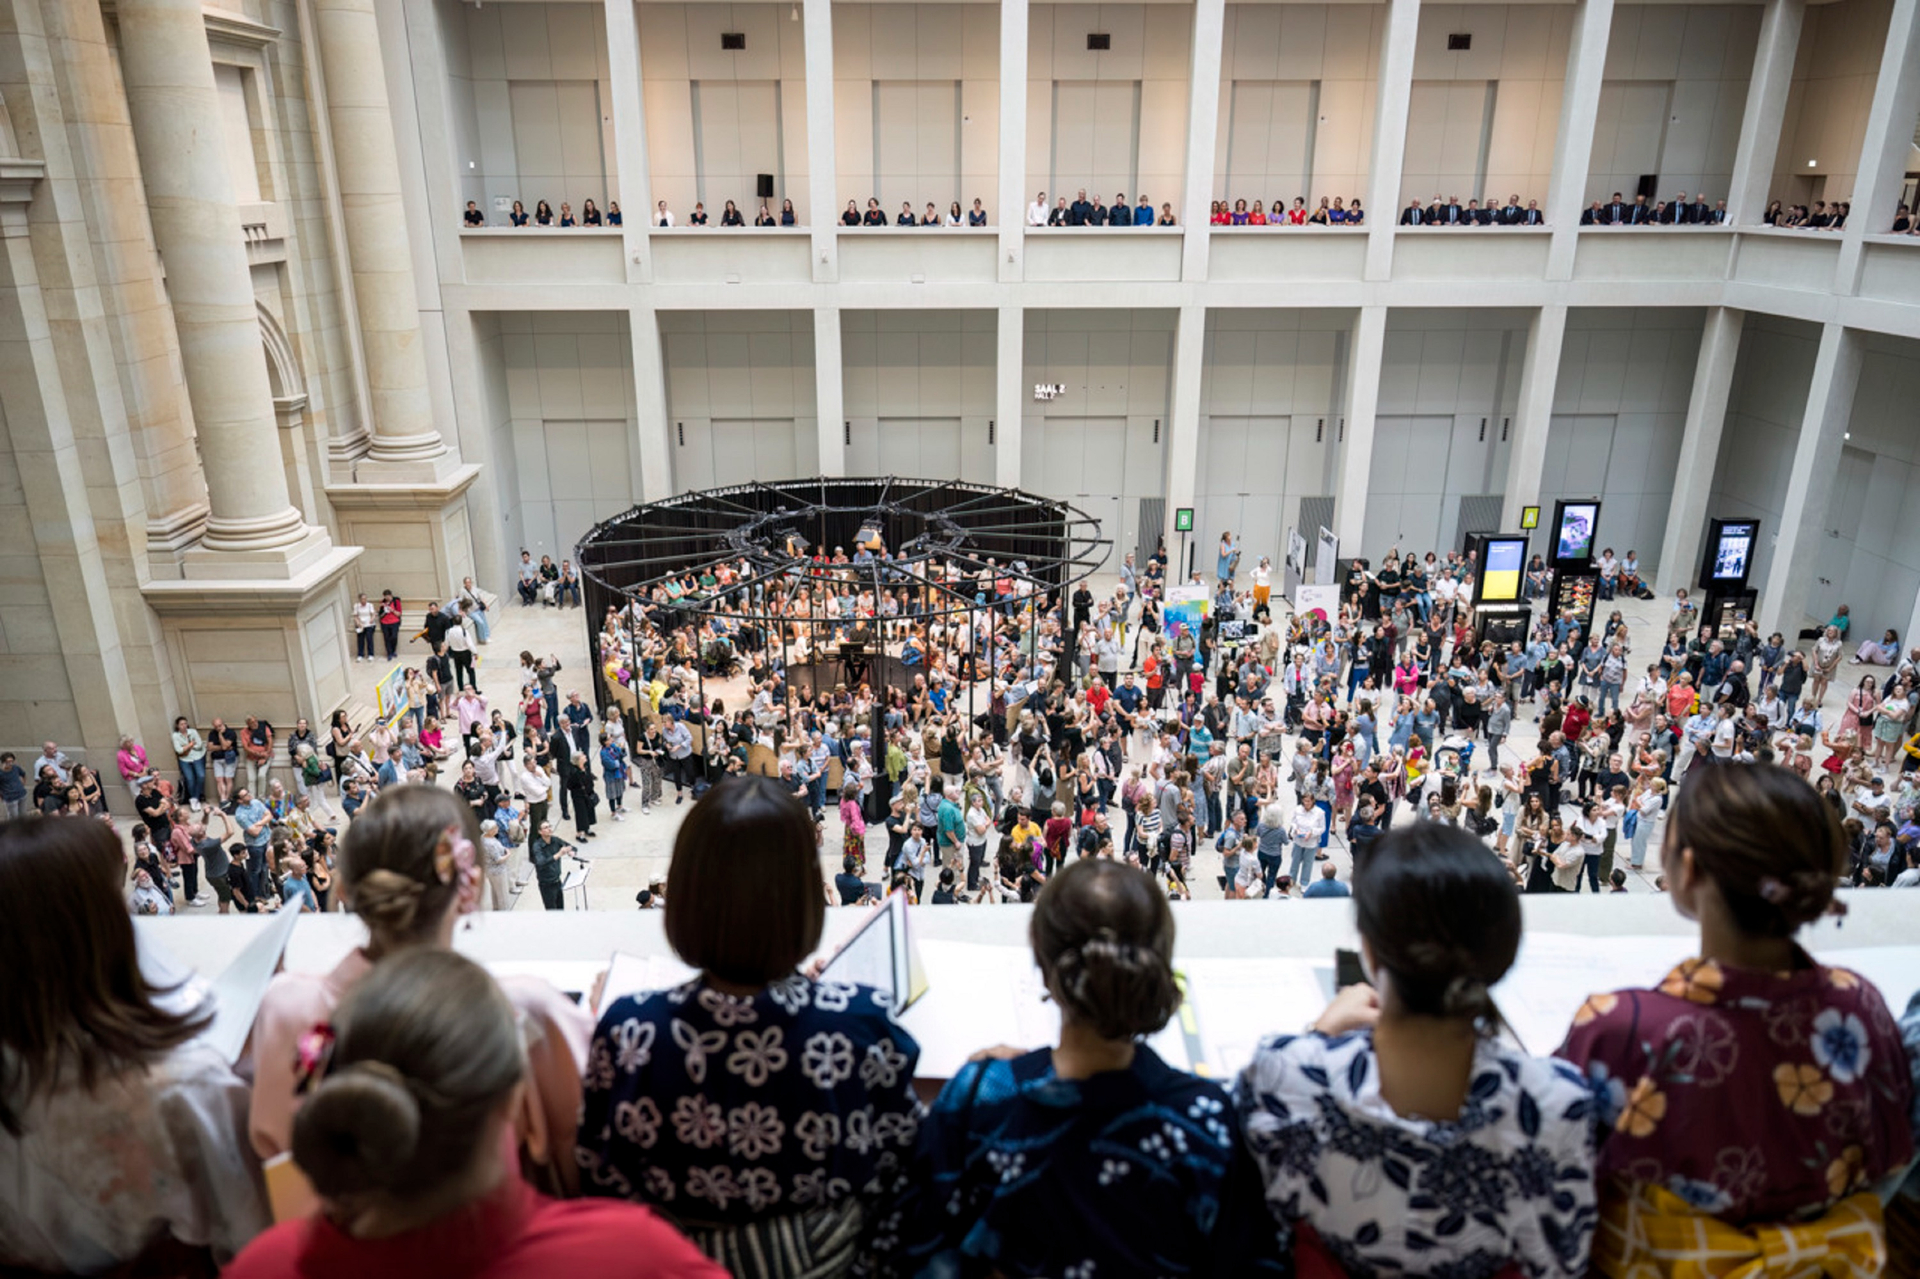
[218,424]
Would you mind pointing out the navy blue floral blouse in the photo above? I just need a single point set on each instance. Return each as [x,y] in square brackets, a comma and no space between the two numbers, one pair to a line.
[1139,1172]
[720,1110]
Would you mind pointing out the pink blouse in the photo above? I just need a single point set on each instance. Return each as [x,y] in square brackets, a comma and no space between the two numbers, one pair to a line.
[558,1031]
[133,763]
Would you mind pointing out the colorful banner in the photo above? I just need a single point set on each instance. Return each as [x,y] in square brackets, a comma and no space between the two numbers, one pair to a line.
[1185,610]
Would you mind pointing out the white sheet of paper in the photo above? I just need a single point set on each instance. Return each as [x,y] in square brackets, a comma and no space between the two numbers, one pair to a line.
[1239,1002]
[874,954]
[641,975]
[1555,972]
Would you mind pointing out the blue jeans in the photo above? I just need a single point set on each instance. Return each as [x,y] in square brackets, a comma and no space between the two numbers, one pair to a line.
[363,646]
[257,872]
[1269,871]
[193,777]
[1302,864]
[1609,693]
[1355,677]
[481,630]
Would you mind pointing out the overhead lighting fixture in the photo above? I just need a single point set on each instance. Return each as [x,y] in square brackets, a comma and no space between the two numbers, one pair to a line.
[1810,164]
[795,13]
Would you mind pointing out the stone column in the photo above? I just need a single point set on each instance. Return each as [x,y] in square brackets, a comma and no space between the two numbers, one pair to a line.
[1009,399]
[1392,100]
[1203,136]
[1700,447]
[406,445]
[829,391]
[1356,454]
[1012,213]
[1886,146]
[630,138]
[1183,434]
[1816,467]
[1766,110]
[822,170]
[1573,148]
[178,131]
[1527,460]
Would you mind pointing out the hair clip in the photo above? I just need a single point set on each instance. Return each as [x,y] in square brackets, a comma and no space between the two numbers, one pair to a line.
[312,1055]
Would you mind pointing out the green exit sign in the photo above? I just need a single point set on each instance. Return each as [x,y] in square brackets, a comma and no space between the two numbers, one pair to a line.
[1183,519]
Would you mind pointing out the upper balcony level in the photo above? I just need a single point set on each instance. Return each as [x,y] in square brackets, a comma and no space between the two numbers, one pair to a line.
[1785,272]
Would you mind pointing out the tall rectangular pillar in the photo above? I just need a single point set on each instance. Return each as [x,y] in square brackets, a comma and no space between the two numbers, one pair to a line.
[1203,127]
[650,397]
[824,215]
[1009,404]
[1183,434]
[1012,211]
[829,390]
[630,138]
[1573,148]
[1356,450]
[1391,103]
[1888,142]
[1816,467]
[1766,110]
[1699,447]
[1527,457]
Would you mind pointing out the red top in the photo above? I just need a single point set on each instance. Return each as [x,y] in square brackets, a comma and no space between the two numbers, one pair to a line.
[515,1233]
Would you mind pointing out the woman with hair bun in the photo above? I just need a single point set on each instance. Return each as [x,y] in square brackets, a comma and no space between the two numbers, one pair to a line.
[1753,1087]
[409,866]
[410,1094]
[1397,1134]
[1094,1157]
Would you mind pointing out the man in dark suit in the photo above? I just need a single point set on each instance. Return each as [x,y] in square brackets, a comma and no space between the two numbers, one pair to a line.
[1487,215]
[1619,211]
[1121,213]
[1533,216]
[1079,212]
[1453,214]
[1676,214]
[1097,215]
[1511,214]
[1698,214]
[1413,214]
[1436,212]
[1718,217]
[1639,214]
[1595,216]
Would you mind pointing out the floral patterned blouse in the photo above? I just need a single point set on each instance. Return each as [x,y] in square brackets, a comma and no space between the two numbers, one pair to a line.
[1136,1172]
[719,1110]
[1508,1181]
[1751,1095]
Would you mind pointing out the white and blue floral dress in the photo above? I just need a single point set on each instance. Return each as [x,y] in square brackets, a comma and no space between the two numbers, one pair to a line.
[1507,1182]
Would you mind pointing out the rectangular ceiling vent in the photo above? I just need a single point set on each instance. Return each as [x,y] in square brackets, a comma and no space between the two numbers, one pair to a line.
[733,40]
[1459,42]
[1099,42]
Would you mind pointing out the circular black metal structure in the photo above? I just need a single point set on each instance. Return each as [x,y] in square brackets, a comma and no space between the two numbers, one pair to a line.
[782,538]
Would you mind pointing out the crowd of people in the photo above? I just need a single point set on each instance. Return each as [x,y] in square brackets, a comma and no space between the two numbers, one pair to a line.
[1085,211]
[1339,213]
[1680,211]
[762,1119]
[543,214]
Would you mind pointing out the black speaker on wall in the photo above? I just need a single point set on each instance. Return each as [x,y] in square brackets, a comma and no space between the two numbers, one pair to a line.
[1649,184]
[766,186]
